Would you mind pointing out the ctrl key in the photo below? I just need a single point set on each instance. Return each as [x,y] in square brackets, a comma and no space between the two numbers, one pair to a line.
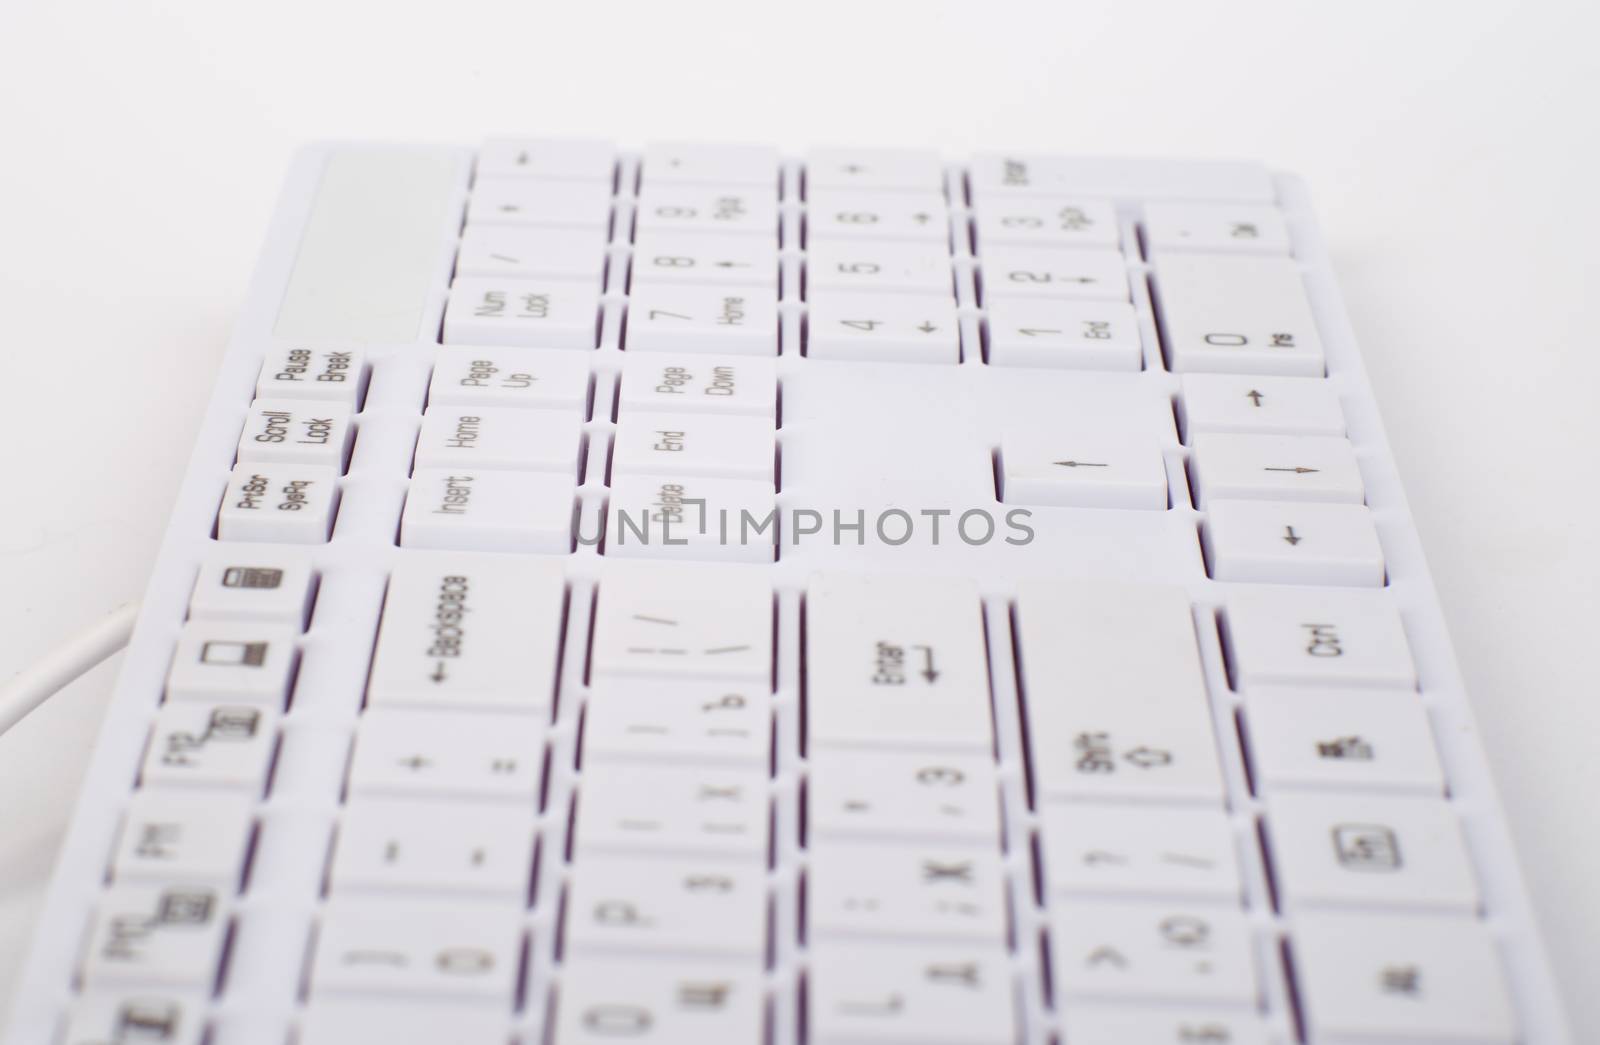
[279,504]
[1368,978]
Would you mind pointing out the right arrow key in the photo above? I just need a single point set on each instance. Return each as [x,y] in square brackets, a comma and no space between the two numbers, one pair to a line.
[1275,468]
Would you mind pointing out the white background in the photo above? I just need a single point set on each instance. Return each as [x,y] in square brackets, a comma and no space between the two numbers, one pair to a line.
[1451,148]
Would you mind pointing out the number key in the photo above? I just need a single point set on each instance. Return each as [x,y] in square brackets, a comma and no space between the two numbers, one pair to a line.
[888,328]
[1053,273]
[672,257]
[834,215]
[1048,222]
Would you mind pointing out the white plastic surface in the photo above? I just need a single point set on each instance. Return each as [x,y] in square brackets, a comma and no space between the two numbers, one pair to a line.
[354,567]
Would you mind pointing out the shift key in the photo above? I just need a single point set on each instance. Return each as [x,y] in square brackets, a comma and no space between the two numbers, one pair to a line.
[462,630]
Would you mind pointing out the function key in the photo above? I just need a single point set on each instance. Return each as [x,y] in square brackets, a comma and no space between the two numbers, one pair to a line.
[539,313]
[700,384]
[278,503]
[239,582]
[314,370]
[173,836]
[471,509]
[1234,228]
[1317,637]
[211,745]
[692,163]
[1338,850]
[287,431]
[170,936]
[244,661]
[915,170]
[577,159]
[158,1017]
[1392,978]
[548,379]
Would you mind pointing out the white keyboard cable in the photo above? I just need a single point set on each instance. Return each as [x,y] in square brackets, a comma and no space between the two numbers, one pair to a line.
[43,679]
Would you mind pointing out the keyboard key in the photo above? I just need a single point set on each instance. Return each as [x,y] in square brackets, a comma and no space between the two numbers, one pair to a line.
[1116,703]
[732,447]
[1236,315]
[577,159]
[1255,405]
[1275,468]
[1211,228]
[660,623]
[905,892]
[496,252]
[730,320]
[899,994]
[1074,335]
[743,210]
[474,755]
[1373,852]
[167,936]
[832,214]
[534,201]
[695,812]
[242,661]
[467,631]
[424,951]
[1394,978]
[172,837]
[200,744]
[538,313]
[1116,951]
[475,437]
[435,847]
[334,371]
[601,1000]
[1093,470]
[879,266]
[521,377]
[159,1018]
[896,662]
[883,328]
[1049,272]
[1128,851]
[1102,1025]
[913,170]
[701,257]
[1271,543]
[691,163]
[402,1021]
[686,908]
[1326,638]
[1046,222]
[700,384]
[690,517]
[488,510]
[260,584]
[281,431]
[1014,174]
[903,796]
[694,723]
[1344,740]
[278,504]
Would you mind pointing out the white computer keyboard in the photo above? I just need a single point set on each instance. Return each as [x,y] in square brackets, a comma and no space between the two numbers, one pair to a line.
[705,597]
